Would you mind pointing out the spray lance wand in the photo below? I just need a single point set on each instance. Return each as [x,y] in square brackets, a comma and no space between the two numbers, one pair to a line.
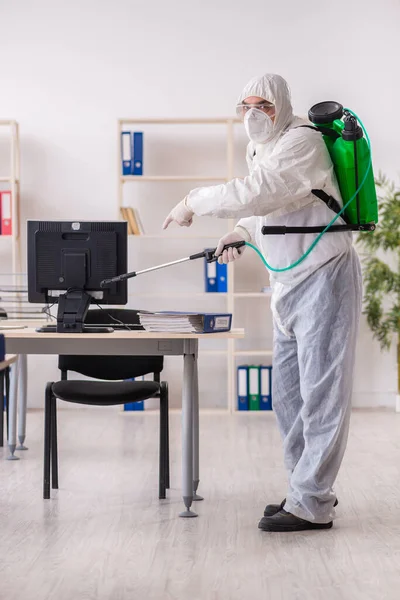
[209,255]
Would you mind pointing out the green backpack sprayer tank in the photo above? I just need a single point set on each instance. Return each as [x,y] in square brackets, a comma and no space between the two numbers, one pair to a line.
[351,157]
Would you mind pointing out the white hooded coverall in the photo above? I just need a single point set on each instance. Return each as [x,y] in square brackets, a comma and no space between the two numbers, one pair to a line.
[316,306]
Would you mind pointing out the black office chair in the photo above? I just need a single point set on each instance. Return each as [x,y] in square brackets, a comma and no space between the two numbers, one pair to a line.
[106,393]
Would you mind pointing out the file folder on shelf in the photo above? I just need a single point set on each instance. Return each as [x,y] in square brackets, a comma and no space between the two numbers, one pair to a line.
[254,388]
[6,213]
[265,388]
[131,217]
[126,153]
[137,153]
[210,274]
[134,406]
[222,277]
[242,387]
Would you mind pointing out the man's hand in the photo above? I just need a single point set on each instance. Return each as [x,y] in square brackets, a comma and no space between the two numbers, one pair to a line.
[230,254]
[181,214]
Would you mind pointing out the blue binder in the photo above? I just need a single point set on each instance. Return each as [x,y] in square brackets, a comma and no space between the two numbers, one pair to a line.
[216,322]
[126,153]
[137,153]
[133,406]
[266,387]
[242,387]
[222,278]
[210,275]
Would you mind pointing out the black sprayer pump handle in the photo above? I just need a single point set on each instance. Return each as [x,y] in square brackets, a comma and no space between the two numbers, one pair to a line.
[209,255]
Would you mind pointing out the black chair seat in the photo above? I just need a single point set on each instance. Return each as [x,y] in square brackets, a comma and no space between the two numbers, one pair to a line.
[100,393]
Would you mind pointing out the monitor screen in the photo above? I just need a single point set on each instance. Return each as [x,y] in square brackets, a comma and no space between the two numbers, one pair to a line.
[76,255]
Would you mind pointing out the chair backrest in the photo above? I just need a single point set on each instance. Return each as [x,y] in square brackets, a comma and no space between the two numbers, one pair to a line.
[111,367]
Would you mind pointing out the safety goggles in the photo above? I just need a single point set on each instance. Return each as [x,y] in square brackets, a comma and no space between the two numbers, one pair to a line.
[243,108]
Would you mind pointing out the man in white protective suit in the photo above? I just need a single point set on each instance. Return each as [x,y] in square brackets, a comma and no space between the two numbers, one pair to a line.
[316,305]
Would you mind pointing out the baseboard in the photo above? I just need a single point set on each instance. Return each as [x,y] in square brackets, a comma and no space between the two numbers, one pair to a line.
[375,400]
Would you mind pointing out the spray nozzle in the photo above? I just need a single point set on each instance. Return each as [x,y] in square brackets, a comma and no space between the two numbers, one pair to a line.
[352,130]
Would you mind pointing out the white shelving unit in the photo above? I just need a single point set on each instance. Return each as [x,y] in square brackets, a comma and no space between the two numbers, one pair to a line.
[230,296]
[13,285]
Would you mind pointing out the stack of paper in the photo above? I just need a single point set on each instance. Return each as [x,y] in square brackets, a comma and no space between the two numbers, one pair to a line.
[175,322]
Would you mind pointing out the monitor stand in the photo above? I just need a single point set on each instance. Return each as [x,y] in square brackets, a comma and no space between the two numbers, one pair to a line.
[72,310]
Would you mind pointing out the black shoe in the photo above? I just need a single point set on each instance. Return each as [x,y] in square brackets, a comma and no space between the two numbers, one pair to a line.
[272,509]
[284,521]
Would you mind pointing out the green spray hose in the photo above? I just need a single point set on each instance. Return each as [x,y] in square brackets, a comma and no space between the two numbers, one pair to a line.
[315,242]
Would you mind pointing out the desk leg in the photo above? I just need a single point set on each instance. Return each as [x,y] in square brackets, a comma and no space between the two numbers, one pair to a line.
[22,400]
[12,412]
[187,433]
[196,468]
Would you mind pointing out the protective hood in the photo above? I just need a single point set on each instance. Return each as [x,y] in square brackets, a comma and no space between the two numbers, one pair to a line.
[272,88]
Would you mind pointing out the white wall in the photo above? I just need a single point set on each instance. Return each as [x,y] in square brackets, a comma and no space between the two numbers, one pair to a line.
[69,70]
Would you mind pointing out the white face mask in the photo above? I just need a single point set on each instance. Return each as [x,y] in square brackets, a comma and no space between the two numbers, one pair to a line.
[259,126]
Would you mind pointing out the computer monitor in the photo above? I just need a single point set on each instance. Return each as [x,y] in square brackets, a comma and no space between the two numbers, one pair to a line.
[67,260]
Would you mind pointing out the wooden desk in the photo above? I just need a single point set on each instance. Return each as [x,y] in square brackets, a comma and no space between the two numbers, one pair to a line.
[142,343]
[8,361]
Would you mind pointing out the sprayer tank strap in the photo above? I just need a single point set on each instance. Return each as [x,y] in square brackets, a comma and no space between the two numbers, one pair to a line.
[321,129]
[330,201]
